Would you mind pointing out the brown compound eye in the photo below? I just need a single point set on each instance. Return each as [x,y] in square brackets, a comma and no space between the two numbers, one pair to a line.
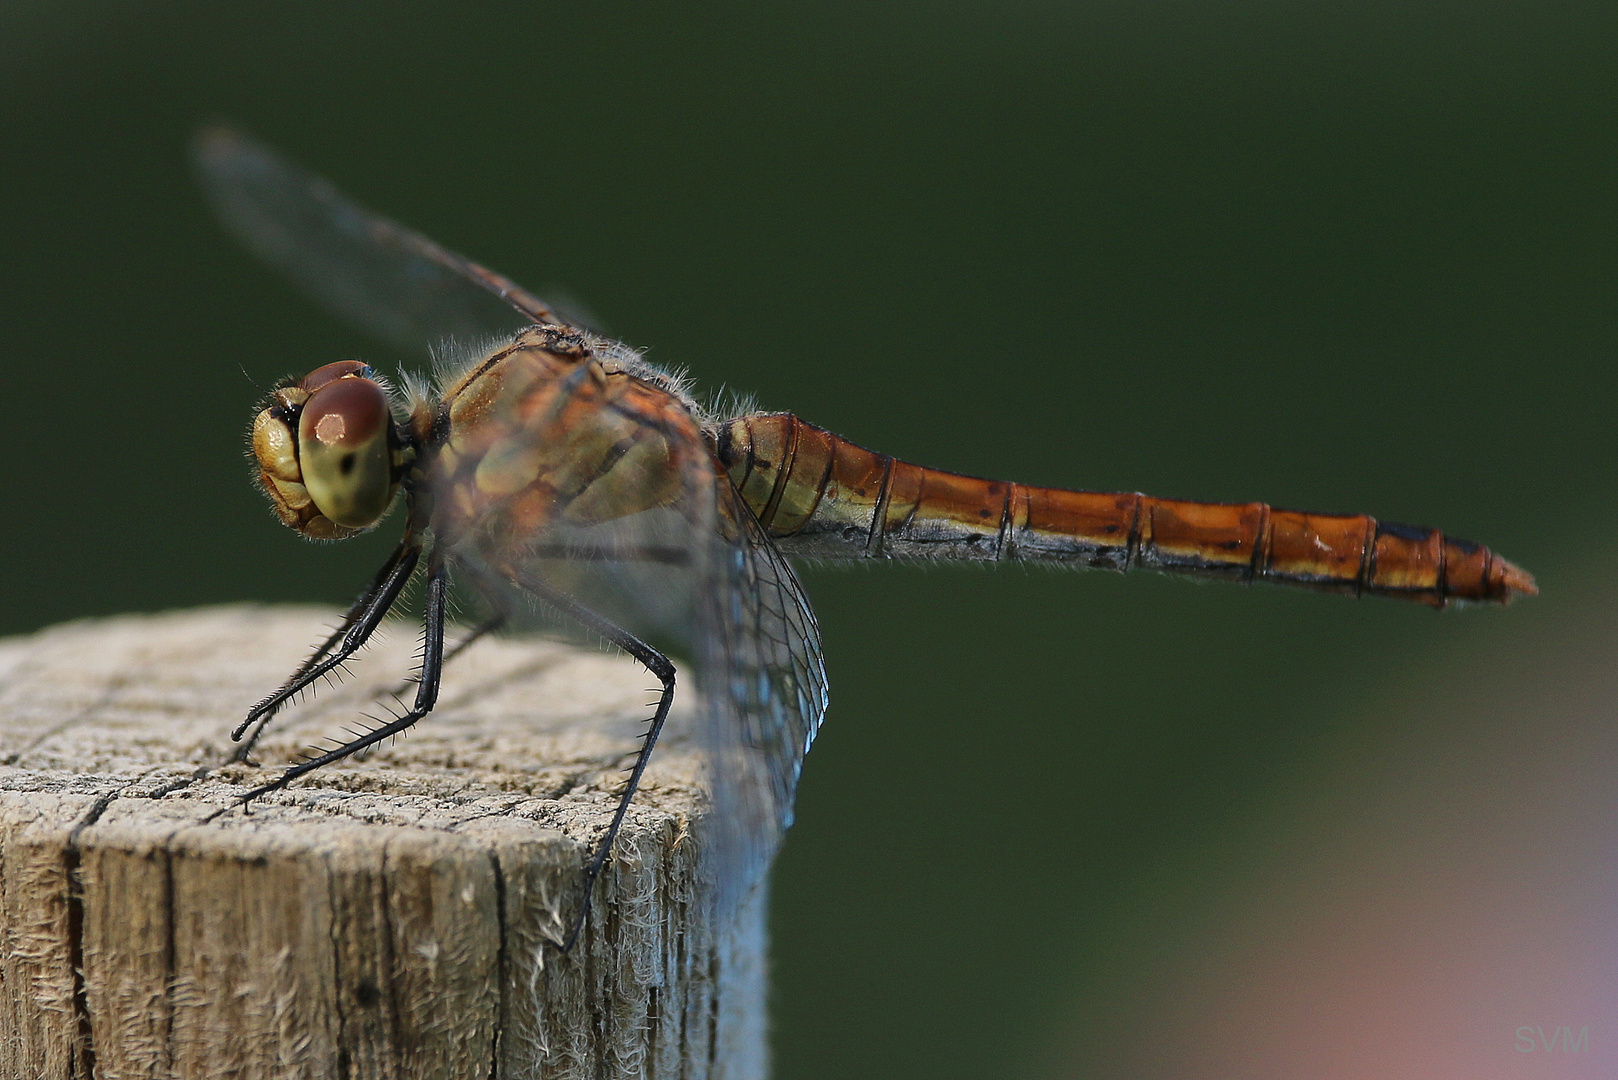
[343,445]
[332,372]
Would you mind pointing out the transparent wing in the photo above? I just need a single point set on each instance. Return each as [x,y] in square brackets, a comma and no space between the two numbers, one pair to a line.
[380,276]
[764,688]
[603,489]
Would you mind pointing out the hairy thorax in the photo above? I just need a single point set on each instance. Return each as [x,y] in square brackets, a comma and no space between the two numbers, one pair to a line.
[540,434]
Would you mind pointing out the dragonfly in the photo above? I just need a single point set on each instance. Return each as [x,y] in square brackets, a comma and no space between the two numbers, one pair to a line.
[558,476]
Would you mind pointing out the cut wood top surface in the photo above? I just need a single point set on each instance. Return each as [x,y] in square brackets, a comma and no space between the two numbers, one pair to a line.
[524,728]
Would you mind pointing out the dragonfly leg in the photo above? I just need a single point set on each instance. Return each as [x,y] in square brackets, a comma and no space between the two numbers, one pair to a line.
[482,629]
[653,661]
[432,669]
[353,613]
[358,625]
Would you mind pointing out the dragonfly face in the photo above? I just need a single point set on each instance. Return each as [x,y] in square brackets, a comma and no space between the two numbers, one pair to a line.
[559,469]
[328,454]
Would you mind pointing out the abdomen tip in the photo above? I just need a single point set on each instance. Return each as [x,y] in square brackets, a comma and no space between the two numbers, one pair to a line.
[1512,581]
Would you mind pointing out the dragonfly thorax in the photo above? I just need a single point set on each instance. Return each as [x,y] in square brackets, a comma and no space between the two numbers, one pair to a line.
[328,455]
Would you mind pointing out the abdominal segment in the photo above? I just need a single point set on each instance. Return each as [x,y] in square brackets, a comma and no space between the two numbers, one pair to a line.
[822,496]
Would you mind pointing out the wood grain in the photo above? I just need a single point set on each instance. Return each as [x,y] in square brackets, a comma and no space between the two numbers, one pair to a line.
[385,918]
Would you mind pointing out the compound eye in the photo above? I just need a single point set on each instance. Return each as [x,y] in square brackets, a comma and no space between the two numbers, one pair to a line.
[343,447]
[332,372]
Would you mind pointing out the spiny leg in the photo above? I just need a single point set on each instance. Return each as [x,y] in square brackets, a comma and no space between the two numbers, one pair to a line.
[359,624]
[432,669]
[483,629]
[353,613]
[653,661]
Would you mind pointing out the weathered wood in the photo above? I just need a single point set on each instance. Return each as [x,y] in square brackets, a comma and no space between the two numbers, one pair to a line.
[385,918]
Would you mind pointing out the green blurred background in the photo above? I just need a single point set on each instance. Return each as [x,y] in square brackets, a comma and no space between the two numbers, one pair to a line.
[1344,256]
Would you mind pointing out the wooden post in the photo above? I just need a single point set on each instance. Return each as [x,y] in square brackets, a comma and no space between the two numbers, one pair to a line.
[385,918]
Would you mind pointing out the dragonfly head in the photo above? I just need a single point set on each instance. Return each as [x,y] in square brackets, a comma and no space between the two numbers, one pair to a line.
[328,455]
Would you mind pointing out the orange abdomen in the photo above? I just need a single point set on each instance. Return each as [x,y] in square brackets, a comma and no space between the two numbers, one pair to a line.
[821,496]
